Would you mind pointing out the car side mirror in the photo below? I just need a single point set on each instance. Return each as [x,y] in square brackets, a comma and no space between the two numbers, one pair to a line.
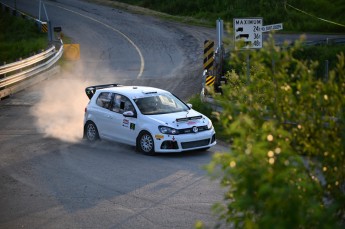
[190,105]
[128,114]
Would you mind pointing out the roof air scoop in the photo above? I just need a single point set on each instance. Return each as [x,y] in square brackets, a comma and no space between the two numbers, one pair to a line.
[188,118]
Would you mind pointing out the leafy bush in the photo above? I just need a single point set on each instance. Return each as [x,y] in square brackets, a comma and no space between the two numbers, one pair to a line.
[286,168]
[200,106]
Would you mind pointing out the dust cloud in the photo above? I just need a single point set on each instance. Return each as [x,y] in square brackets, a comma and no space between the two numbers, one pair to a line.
[60,111]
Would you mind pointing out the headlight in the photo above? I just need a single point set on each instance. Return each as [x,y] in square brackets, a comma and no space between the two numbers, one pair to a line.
[167,130]
[209,125]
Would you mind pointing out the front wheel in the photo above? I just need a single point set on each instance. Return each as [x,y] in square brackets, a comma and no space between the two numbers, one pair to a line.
[145,143]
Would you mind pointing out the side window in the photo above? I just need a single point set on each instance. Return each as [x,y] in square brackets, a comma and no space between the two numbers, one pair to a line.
[104,100]
[128,106]
[121,104]
[116,103]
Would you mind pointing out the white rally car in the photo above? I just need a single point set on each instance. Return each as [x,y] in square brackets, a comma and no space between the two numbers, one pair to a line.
[151,119]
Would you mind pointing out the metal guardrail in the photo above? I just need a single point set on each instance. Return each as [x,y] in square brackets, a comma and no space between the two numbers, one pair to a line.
[4,69]
[14,73]
[327,41]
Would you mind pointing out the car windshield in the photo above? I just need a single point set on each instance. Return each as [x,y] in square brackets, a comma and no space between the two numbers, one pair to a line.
[160,104]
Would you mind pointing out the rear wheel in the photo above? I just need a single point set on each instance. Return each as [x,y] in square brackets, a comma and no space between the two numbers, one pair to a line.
[145,143]
[91,132]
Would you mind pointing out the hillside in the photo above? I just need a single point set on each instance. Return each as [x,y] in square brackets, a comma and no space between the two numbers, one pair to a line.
[306,15]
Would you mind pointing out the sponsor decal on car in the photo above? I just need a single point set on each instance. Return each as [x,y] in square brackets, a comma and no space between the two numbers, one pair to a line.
[132,126]
[125,123]
[159,136]
[191,123]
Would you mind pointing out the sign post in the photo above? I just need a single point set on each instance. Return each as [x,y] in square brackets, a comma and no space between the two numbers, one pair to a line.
[49,29]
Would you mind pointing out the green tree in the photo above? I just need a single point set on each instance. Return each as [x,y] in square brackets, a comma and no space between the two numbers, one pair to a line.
[286,167]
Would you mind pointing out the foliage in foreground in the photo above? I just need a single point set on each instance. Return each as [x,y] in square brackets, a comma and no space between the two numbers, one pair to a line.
[286,168]
[19,38]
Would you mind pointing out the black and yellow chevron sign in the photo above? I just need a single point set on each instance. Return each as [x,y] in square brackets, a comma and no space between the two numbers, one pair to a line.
[210,80]
[208,61]
[44,27]
[208,55]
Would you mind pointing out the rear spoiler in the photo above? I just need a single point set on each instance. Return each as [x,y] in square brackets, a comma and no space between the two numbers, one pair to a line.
[90,91]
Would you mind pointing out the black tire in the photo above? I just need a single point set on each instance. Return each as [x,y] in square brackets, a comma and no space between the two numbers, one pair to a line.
[91,132]
[145,143]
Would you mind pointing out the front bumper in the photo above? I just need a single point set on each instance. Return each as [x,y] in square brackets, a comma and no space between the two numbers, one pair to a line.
[165,143]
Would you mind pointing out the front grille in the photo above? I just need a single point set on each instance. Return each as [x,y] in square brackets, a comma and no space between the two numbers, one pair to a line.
[190,130]
[189,145]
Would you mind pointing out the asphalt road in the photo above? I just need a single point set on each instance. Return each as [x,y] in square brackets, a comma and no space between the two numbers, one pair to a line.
[50,178]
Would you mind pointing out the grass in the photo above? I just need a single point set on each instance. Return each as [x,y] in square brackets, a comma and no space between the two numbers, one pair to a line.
[19,38]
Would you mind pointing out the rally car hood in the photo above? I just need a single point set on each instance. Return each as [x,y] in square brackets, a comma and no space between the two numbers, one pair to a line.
[180,120]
